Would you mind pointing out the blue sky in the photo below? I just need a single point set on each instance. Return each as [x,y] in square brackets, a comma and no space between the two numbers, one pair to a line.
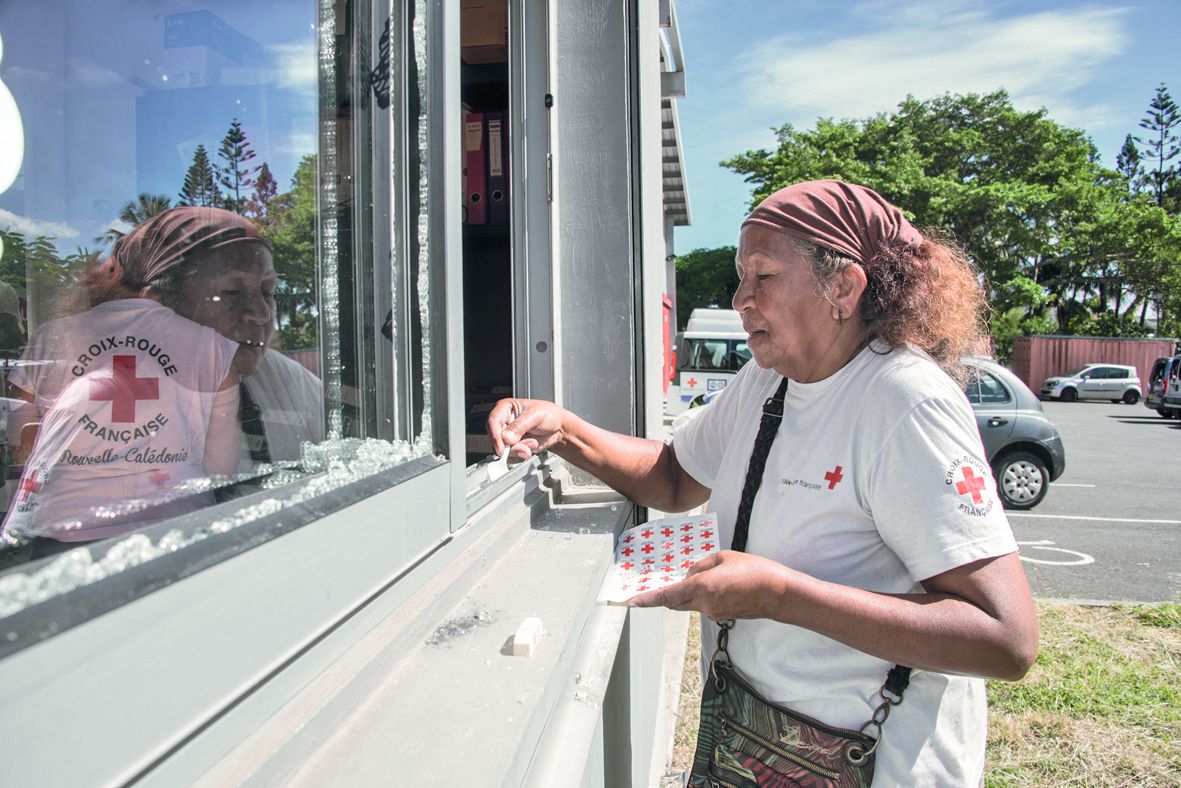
[751,65]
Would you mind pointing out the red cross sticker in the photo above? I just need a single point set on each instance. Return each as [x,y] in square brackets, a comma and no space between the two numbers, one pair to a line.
[626,551]
[124,389]
[666,531]
[646,533]
[668,558]
[642,587]
[707,534]
[971,485]
[687,563]
[686,551]
[707,546]
[687,527]
[833,477]
[647,548]
[628,539]
[626,566]
[687,538]
[28,487]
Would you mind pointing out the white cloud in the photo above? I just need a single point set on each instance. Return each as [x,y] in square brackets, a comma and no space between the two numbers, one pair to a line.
[296,65]
[928,49]
[26,226]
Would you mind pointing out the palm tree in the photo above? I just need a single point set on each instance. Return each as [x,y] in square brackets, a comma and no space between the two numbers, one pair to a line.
[135,213]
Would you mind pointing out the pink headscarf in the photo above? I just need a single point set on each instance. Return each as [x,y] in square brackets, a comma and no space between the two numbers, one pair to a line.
[164,241]
[844,217]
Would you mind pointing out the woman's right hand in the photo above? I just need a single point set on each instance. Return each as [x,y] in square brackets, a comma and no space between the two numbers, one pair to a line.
[525,426]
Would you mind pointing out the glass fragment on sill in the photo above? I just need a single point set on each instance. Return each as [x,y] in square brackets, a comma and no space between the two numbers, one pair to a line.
[338,462]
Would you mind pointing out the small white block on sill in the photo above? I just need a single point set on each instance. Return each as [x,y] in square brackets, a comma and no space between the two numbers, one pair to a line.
[527,637]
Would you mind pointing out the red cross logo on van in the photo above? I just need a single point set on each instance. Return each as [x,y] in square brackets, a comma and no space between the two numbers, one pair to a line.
[124,389]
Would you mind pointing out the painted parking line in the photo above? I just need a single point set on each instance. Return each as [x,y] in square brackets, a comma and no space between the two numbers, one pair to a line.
[1092,519]
[1075,558]
[1057,484]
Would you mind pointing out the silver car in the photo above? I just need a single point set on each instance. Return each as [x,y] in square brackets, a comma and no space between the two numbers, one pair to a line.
[1113,382]
[1022,444]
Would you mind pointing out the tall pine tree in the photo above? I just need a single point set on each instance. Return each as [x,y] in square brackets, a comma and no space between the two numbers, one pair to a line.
[1162,144]
[235,177]
[200,187]
[1129,164]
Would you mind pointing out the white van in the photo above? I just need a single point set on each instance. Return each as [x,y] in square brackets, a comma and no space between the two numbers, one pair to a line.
[709,353]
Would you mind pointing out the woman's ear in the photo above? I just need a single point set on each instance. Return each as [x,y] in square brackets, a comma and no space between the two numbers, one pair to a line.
[850,286]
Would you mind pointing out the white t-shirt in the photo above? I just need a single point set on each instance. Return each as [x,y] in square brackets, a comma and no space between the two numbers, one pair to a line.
[876,480]
[292,403]
[125,392]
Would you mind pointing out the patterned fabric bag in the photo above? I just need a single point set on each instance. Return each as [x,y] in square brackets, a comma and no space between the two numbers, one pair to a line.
[744,740]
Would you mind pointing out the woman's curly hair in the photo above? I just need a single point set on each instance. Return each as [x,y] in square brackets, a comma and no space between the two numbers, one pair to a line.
[929,298]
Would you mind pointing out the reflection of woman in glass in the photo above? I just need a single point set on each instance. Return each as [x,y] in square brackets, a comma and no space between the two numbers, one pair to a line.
[131,398]
[233,292]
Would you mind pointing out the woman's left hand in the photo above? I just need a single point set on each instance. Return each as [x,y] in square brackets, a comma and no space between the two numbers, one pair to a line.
[724,585]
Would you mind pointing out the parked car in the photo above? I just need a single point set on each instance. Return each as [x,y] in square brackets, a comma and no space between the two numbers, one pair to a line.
[1114,382]
[1171,399]
[1162,378]
[1022,444]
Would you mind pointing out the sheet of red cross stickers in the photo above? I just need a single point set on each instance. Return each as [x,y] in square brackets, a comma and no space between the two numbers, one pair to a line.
[657,554]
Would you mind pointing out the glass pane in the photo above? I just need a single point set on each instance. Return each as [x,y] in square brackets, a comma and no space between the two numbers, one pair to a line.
[214,276]
[992,391]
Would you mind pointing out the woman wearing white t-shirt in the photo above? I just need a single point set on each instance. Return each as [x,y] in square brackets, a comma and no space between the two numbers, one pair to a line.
[877,536]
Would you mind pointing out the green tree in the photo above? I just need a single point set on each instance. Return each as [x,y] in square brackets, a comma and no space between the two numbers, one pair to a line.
[1129,164]
[1024,195]
[289,225]
[234,175]
[1161,144]
[200,186]
[136,212]
[705,278]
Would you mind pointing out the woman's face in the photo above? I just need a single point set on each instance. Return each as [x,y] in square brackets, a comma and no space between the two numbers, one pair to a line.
[232,291]
[790,322]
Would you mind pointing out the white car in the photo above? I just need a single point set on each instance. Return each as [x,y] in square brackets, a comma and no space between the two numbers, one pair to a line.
[1113,382]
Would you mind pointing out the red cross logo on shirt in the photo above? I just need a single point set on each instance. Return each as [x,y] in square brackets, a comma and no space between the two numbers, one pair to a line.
[159,478]
[971,485]
[833,477]
[28,487]
[124,389]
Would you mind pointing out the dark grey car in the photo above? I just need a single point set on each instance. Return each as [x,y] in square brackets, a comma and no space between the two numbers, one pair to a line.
[1023,445]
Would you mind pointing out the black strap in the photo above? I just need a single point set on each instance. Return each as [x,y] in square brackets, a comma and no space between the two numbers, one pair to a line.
[768,428]
[250,417]
[899,676]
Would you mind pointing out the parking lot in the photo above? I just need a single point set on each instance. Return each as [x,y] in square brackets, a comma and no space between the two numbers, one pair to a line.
[1110,527]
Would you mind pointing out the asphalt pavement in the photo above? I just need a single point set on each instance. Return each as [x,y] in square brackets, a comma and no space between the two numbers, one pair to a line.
[1109,529]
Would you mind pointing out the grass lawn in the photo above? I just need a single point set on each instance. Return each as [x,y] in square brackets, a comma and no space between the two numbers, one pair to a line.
[1100,707]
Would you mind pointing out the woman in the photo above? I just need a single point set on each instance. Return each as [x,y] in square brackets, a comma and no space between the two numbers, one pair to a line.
[127,400]
[877,536]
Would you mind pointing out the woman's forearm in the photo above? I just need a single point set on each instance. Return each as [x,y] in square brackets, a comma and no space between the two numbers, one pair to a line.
[644,470]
